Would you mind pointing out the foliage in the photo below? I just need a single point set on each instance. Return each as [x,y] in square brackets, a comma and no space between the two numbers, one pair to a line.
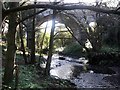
[30,79]
[73,49]
[111,29]
[108,49]
[62,38]
[39,37]
[27,73]
[27,77]
[19,57]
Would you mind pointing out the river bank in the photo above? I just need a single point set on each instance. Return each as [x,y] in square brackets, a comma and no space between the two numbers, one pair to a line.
[84,75]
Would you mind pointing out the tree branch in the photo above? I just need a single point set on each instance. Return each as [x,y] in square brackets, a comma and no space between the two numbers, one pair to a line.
[31,15]
[77,39]
[60,7]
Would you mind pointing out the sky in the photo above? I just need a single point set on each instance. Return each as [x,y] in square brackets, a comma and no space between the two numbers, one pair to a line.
[111,2]
[68,1]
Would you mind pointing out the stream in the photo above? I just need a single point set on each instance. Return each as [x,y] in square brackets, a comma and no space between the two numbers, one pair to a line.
[82,74]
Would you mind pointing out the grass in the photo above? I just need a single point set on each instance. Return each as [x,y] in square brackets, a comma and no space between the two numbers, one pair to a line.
[27,77]
[30,77]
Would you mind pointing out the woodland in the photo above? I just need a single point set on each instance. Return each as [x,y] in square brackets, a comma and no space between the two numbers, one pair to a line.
[35,35]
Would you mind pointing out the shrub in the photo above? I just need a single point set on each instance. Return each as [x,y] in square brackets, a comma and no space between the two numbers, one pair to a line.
[73,49]
[109,49]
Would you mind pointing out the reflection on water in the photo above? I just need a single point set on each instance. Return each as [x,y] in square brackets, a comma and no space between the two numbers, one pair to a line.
[65,69]
[77,71]
[91,80]
[64,72]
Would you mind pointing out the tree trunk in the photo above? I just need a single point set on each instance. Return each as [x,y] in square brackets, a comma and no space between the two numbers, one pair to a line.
[47,69]
[41,44]
[22,43]
[21,38]
[11,47]
[33,40]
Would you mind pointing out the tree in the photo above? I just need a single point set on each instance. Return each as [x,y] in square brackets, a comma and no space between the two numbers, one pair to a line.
[33,39]
[30,30]
[111,29]
[47,69]
[11,47]
[59,7]
[21,38]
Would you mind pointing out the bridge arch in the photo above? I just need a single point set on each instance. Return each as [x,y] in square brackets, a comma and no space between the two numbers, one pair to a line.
[69,21]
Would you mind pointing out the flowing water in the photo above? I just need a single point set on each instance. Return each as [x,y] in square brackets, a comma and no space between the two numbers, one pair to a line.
[77,71]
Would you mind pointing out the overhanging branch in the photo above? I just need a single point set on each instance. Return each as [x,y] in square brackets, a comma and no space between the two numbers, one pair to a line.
[61,7]
[31,15]
[77,39]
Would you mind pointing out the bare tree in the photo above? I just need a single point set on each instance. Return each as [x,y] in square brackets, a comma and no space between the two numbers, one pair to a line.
[33,39]
[59,7]
[11,47]
[47,69]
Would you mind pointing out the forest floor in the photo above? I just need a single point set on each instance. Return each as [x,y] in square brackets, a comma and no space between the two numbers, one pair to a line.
[32,78]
